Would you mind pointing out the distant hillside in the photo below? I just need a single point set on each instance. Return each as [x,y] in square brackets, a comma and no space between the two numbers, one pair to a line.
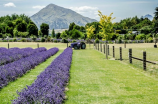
[150,17]
[59,18]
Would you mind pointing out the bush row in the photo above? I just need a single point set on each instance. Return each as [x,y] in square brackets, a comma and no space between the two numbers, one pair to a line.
[13,54]
[49,86]
[12,71]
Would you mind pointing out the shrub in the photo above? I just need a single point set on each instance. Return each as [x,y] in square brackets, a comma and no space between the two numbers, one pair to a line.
[64,40]
[150,40]
[96,40]
[14,40]
[42,39]
[10,40]
[23,40]
[5,41]
[55,41]
[74,41]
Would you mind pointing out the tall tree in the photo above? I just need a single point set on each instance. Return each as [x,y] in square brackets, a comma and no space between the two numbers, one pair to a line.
[106,26]
[53,33]
[44,29]
[32,29]
[90,32]
[155,30]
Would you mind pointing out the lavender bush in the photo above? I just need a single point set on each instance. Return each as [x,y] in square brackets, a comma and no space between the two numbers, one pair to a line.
[49,86]
[12,71]
[13,54]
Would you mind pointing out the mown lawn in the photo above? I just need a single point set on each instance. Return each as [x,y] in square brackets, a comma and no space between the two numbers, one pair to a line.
[95,80]
[8,93]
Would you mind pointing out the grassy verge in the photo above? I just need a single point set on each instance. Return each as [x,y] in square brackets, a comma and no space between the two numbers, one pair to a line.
[8,93]
[95,80]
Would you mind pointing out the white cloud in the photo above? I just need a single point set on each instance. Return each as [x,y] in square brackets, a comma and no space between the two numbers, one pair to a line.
[87,11]
[9,5]
[38,7]
[84,9]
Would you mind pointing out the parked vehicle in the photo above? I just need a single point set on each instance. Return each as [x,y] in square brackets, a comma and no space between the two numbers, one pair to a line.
[78,45]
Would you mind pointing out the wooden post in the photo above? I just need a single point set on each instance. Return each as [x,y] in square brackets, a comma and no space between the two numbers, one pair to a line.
[113,52]
[8,45]
[37,45]
[98,46]
[120,53]
[101,46]
[124,44]
[67,44]
[108,50]
[104,48]
[130,56]
[144,60]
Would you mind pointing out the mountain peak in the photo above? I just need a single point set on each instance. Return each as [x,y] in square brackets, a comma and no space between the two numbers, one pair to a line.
[150,17]
[58,17]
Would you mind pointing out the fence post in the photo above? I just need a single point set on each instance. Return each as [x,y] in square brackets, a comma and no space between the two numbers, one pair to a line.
[113,52]
[98,46]
[130,56]
[144,60]
[104,48]
[101,46]
[8,45]
[120,53]
[124,44]
[67,44]
[108,50]
[37,45]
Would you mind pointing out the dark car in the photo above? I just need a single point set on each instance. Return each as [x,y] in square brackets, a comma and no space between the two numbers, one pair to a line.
[78,45]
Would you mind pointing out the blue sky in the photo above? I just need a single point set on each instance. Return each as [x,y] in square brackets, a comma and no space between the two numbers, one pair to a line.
[121,8]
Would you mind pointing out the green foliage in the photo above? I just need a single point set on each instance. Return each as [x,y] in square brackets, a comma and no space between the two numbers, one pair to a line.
[64,40]
[96,40]
[23,40]
[42,39]
[32,29]
[14,40]
[74,41]
[55,41]
[140,37]
[63,35]
[75,34]
[44,29]
[71,26]
[53,33]
[58,35]
[150,39]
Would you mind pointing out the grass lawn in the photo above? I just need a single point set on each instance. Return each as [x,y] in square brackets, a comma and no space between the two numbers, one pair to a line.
[95,80]
[8,93]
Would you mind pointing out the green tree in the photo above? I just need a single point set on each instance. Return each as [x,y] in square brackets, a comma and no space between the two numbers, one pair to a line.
[32,29]
[155,30]
[63,35]
[53,33]
[106,26]
[15,32]
[71,26]
[40,33]
[22,27]
[58,36]
[44,29]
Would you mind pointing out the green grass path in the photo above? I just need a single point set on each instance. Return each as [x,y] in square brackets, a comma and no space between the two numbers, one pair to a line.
[95,80]
[8,93]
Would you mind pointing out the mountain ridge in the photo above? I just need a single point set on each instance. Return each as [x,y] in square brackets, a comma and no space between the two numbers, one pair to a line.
[59,17]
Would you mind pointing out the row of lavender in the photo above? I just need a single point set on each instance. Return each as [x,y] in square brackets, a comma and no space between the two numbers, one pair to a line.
[12,71]
[13,54]
[49,87]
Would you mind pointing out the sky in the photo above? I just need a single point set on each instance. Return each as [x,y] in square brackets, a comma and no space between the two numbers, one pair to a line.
[89,8]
